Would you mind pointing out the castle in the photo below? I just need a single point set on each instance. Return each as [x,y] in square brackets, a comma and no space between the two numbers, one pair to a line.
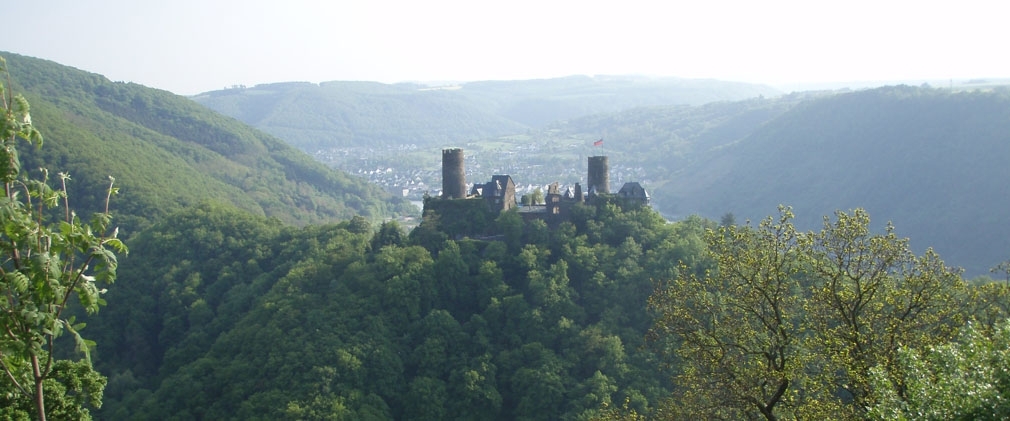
[499,194]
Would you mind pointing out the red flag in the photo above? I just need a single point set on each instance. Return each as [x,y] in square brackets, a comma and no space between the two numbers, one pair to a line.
[598,142]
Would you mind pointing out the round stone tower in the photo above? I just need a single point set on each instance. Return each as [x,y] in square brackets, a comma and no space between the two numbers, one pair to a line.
[453,176]
[599,175]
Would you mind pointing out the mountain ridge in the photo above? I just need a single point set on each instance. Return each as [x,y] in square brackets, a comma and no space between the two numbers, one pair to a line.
[925,159]
[341,114]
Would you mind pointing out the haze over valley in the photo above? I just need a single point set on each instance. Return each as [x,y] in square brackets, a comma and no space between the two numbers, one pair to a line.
[701,147]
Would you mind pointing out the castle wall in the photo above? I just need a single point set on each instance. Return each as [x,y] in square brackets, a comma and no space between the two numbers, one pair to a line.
[453,174]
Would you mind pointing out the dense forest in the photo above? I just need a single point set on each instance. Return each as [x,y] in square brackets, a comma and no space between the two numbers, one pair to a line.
[232,309]
[232,316]
[615,313]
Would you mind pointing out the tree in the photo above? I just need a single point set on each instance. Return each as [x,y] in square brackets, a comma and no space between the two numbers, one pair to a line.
[475,394]
[871,296]
[791,324]
[727,219]
[359,225]
[390,234]
[738,325]
[989,304]
[511,225]
[537,197]
[962,380]
[48,258]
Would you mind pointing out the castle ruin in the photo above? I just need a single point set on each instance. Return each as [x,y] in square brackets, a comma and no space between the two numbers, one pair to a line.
[499,194]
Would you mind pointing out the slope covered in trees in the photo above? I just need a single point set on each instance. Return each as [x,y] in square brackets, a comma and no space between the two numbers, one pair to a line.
[225,315]
[168,152]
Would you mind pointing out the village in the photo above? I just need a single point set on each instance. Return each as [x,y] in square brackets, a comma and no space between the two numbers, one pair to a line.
[531,167]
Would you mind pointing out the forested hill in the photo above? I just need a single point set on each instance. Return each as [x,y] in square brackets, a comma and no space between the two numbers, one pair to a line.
[930,161]
[221,315]
[168,152]
[352,114]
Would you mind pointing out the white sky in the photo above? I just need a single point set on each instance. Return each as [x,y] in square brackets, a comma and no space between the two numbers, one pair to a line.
[192,46]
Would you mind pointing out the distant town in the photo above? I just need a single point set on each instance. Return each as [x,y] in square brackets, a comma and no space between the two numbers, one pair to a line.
[411,173]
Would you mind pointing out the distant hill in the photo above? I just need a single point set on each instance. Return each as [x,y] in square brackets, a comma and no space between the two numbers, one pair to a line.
[352,114]
[925,159]
[930,161]
[168,152]
[538,102]
[663,140]
[342,114]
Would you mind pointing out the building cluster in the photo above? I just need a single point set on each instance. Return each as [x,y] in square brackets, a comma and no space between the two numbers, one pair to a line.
[500,192]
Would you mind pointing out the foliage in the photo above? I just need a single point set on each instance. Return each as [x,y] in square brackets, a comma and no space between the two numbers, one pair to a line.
[51,260]
[240,317]
[537,197]
[790,324]
[457,218]
[738,325]
[967,379]
[233,316]
[871,295]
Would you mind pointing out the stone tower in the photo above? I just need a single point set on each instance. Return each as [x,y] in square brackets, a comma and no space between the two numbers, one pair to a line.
[599,175]
[453,176]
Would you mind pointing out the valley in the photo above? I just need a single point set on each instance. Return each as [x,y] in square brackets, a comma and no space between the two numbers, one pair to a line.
[264,269]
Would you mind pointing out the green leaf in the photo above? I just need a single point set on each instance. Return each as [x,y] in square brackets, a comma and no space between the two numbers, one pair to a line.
[117,244]
[18,281]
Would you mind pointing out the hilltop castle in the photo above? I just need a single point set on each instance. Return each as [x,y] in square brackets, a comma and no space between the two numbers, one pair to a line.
[499,194]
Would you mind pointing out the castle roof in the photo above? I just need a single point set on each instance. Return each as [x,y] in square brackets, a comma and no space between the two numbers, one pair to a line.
[498,185]
[633,190]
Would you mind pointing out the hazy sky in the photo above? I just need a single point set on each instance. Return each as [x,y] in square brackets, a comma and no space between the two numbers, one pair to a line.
[192,46]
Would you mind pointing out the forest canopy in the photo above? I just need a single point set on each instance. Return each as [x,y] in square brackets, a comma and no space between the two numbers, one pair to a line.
[234,316]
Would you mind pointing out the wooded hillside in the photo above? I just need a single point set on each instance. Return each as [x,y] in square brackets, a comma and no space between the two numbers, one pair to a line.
[223,315]
[168,152]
